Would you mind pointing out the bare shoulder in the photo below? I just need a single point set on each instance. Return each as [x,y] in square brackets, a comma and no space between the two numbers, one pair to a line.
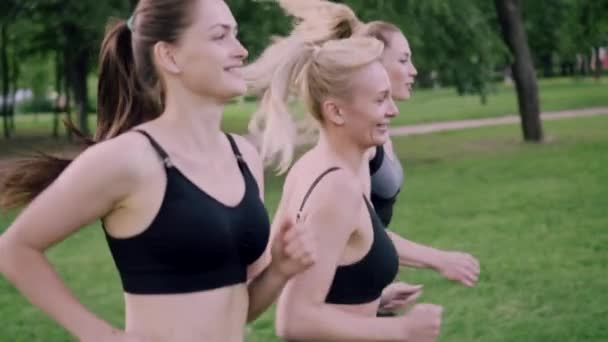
[119,156]
[336,195]
[96,182]
[371,153]
[338,185]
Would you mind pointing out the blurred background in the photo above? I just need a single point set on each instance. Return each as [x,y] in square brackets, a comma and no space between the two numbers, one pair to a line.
[527,198]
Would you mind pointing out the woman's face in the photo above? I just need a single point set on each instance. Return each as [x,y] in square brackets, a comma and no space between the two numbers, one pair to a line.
[209,55]
[397,59]
[369,107]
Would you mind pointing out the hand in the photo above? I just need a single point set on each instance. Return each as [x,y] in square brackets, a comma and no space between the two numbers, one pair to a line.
[423,323]
[460,267]
[293,249]
[398,296]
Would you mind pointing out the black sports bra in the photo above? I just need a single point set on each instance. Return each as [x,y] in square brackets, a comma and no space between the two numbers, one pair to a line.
[363,281]
[195,242]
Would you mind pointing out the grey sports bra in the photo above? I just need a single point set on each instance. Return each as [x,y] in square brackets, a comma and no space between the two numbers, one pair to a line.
[387,178]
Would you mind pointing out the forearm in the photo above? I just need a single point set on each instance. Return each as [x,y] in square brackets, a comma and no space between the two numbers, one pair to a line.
[415,255]
[329,323]
[263,291]
[36,279]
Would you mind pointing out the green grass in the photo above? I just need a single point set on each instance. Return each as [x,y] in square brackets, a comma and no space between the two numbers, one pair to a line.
[446,105]
[534,215]
[425,106]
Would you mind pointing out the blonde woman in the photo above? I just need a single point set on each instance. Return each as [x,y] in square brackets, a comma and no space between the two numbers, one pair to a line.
[319,21]
[347,92]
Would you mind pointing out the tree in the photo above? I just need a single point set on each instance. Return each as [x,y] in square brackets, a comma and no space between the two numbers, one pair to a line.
[453,40]
[8,64]
[72,29]
[510,19]
[4,66]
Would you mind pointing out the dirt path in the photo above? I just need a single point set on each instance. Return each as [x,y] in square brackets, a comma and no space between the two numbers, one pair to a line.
[503,120]
[463,124]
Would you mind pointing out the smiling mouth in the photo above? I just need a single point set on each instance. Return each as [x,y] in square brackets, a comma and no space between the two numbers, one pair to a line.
[236,70]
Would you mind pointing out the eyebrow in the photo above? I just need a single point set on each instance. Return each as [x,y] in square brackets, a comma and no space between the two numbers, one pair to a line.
[224,26]
[407,54]
[384,92]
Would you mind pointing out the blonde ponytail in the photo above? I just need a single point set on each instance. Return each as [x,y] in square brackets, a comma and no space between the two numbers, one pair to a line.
[272,124]
[317,21]
[312,73]
[320,20]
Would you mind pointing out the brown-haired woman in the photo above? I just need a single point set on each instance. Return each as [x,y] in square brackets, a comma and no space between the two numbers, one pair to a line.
[180,201]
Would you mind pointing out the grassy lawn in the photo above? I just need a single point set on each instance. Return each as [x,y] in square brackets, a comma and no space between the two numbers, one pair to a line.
[425,106]
[446,105]
[534,215]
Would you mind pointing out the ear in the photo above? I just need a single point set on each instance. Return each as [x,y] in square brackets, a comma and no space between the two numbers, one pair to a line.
[164,54]
[333,113]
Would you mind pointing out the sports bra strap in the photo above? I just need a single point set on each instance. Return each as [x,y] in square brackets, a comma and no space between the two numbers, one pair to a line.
[235,148]
[161,152]
[312,186]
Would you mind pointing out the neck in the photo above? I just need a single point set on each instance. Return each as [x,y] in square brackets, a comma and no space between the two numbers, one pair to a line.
[195,120]
[345,151]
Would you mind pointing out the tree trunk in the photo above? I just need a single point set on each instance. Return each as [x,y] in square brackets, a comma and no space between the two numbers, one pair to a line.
[15,74]
[59,91]
[598,63]
[78,74]
[5,80]
[583,64]
[509,16]
[68,92]
[547,65]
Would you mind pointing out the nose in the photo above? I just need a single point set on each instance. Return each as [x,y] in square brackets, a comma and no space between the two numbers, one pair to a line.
[240,51]
[392,110]
[413,71]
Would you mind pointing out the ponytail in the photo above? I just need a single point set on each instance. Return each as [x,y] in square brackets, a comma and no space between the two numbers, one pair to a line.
[121,105]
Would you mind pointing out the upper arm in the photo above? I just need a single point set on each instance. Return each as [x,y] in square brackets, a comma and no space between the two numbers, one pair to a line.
[253,160]
[332,225]
[89,188]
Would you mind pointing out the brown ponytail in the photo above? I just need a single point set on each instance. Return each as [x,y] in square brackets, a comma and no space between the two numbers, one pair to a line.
[129,92]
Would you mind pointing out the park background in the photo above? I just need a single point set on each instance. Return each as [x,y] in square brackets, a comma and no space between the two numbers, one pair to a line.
[527,197]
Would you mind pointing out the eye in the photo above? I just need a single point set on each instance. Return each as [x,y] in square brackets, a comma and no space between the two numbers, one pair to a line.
[220,37]
[382,98]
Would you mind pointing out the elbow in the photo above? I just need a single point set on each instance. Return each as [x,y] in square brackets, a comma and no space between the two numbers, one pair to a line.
[11,258]
[289,329]
[285,330]
[295,323]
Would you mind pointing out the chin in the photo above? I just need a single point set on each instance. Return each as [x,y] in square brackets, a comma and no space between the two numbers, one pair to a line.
[379,140]
[402,96]
[235,90]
